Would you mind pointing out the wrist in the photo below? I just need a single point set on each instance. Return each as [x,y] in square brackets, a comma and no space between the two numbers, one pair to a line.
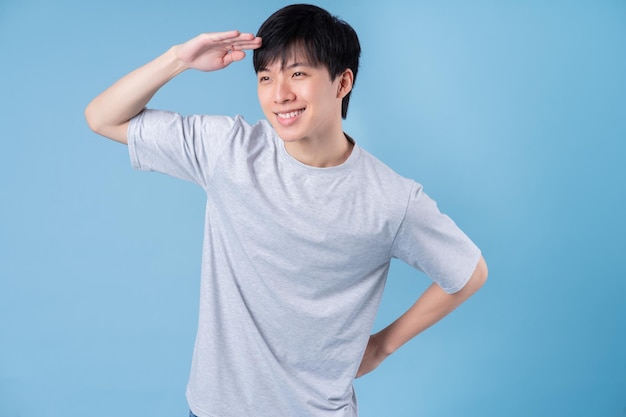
[172,61]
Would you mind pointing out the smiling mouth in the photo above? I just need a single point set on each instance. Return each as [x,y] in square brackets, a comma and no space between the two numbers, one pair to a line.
[290,115]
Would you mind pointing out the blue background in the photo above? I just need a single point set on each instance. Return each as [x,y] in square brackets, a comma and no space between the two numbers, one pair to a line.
[511,113]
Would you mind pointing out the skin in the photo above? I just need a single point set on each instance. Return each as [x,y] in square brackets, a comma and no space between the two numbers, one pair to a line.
[110,112]
[312,134]
[433,305]
[302,102]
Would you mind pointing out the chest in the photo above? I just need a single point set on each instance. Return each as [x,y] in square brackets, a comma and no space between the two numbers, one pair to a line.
[301,217]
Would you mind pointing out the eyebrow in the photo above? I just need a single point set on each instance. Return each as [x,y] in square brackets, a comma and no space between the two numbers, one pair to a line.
[298,64]
[288,67]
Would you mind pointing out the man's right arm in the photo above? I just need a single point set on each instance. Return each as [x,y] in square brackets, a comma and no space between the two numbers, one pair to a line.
[110,112]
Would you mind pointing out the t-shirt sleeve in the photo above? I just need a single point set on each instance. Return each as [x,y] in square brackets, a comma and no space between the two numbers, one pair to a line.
[182,147]
[431,242]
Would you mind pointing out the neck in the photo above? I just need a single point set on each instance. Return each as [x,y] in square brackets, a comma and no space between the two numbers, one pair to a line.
[321,153]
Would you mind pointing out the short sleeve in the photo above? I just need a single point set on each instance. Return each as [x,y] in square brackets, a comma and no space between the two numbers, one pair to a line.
[182,147]
[431,242]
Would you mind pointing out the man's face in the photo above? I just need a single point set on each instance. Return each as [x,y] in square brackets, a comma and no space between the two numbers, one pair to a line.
[300,100]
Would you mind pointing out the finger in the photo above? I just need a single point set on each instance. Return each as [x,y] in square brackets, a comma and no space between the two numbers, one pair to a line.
[231,40]
[246,42]
[221,36]
[239,46]
[230,36]
[236,56]
[220,39]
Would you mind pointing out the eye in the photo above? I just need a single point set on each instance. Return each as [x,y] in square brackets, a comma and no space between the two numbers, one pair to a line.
[297,74]
[264,78]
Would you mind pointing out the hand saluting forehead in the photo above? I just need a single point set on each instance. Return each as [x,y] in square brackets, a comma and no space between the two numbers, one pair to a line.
[214,51]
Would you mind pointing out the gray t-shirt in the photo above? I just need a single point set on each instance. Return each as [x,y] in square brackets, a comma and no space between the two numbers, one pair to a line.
[294,262]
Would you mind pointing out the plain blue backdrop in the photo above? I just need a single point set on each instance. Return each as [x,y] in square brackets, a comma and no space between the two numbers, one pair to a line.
[511,113]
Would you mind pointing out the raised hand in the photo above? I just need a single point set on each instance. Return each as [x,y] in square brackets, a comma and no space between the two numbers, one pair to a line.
[110,112]
[214,51]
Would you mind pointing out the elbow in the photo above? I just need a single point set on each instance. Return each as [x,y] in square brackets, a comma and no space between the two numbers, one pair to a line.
[92,119]
[480,273]
[478,278]
[98,124]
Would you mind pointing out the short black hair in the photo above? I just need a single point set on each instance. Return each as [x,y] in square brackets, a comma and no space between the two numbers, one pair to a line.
[324,39]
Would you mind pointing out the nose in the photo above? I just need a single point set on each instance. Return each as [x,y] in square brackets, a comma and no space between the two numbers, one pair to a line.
[283,92]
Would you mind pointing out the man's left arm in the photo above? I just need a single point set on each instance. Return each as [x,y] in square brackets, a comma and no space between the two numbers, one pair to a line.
[433,305]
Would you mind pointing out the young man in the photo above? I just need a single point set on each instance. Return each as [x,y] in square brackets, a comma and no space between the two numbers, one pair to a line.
[301,223]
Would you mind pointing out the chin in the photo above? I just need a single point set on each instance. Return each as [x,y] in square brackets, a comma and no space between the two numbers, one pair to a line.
[289,138]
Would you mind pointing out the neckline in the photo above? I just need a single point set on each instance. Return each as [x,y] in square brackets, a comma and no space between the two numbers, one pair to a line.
[351,160]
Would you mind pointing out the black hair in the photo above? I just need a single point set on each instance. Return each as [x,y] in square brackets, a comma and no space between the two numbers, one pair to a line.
[324,39]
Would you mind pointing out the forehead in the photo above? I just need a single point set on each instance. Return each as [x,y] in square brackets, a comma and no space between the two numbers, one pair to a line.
[292,55]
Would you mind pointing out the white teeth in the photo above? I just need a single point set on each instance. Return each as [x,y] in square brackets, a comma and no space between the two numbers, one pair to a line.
[290,114]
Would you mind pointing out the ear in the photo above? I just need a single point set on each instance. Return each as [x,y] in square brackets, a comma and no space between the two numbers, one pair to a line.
[346,79]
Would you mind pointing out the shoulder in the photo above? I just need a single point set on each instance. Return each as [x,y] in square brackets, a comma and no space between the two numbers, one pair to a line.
[251,137]
[377,173]
[202,121]
[244,128]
